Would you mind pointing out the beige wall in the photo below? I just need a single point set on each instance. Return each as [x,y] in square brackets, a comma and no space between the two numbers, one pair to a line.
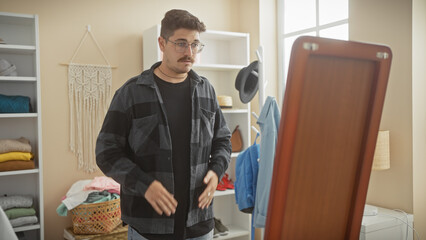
[419,115]
[118,27]
[389,22]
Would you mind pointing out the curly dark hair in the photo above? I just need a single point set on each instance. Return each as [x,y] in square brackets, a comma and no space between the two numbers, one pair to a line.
[177,18]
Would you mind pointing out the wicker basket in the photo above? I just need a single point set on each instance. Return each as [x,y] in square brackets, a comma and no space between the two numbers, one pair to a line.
[96,217]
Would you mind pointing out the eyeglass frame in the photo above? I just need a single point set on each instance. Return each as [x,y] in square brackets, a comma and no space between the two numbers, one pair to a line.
[199,44]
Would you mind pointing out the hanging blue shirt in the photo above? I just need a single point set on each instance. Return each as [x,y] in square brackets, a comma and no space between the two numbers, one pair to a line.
[246,170]
[269,121]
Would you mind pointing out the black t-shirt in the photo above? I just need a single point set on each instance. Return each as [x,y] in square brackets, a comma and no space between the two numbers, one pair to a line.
[177,101]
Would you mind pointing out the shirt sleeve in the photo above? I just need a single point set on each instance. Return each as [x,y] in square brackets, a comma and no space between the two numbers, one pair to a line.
[112,154]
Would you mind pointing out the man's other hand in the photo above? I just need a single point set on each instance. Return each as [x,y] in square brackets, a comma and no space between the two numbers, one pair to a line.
[211,179]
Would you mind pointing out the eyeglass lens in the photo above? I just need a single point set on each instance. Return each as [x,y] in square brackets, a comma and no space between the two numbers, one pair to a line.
[182,46]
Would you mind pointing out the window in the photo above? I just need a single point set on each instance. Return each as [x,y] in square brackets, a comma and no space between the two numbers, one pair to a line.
[323,18]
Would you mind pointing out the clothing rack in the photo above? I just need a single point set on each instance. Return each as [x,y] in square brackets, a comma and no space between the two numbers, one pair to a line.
[262,83]
[261,76]
[262,86]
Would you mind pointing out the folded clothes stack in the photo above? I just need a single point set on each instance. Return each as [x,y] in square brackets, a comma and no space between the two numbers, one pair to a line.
[19,210]
[15,104]
[15,154]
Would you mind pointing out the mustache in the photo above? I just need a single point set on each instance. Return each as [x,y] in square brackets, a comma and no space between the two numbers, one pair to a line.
[186,58]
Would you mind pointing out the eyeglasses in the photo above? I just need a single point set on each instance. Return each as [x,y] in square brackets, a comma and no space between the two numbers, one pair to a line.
[182,46]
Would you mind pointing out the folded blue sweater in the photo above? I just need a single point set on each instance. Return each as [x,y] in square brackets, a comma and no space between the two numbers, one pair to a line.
[14,104]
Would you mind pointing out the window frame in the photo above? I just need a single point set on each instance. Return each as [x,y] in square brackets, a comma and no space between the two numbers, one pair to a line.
[282,72]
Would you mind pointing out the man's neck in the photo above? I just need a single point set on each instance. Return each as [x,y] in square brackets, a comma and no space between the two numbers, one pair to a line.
[169,76]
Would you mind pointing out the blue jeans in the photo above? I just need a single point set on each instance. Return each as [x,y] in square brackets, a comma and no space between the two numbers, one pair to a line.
[132,234]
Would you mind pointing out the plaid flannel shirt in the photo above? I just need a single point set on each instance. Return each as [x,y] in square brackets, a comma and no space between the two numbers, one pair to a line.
[134,148]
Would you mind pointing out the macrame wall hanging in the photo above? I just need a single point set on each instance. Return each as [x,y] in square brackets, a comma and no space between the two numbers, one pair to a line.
[89,89]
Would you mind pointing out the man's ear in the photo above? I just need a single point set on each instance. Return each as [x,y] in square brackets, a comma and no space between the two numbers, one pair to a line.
[161,43]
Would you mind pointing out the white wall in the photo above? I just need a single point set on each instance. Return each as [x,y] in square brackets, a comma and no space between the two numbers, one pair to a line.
[419,115]
[389,22]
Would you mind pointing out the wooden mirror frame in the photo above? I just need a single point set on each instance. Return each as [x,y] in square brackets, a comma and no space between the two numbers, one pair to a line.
[329,124]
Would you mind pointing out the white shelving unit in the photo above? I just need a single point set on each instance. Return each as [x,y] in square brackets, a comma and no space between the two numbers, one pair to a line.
[224,54]
[20,32]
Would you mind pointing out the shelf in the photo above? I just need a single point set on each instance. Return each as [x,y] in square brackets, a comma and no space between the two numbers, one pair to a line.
[27,228]
[18,115]
[234,231]
[23,49]
[224,193]
[236,110]
[220,35]
[219,67]
[20,172]
[17,79]
[17,18]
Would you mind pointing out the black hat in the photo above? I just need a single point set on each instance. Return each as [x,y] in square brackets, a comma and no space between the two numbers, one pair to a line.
[247,82]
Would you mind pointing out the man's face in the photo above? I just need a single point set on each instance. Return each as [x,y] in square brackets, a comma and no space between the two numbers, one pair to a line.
[179,62]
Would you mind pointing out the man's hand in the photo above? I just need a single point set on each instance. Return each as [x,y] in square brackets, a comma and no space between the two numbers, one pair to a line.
[160,199]
[206,197]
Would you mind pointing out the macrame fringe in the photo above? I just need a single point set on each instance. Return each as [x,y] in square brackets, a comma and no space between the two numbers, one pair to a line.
[89,95]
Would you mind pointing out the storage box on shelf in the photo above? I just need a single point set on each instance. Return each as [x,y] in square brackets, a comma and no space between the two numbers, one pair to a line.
[21,48]
[224,54]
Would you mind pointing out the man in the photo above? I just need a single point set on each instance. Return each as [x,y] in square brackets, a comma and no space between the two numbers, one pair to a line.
[165,140]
